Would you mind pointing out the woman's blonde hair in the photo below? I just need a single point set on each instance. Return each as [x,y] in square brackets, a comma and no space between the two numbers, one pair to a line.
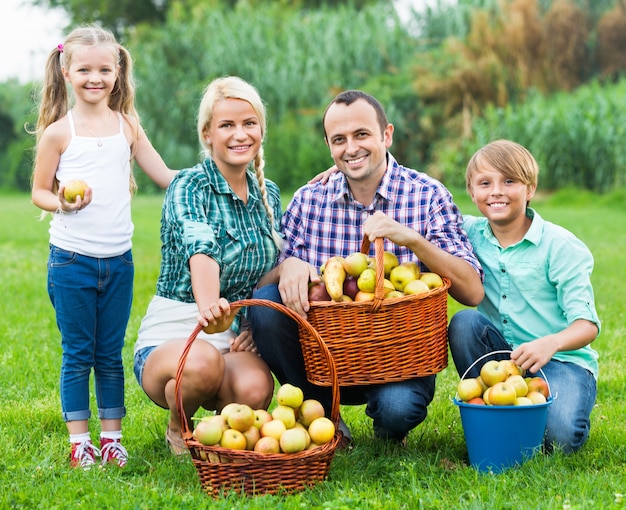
[233,87]
[511,159]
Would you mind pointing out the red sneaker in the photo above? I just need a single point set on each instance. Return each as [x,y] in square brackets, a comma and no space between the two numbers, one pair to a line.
[113,452]
[83,454]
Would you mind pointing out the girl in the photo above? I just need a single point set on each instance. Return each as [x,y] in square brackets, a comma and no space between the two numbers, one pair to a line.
[90,266]
[219,236]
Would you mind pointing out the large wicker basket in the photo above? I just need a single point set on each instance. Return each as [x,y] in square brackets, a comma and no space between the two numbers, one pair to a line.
[379,341]
[222,470]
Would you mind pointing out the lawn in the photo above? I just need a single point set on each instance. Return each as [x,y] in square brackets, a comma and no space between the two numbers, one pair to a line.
[431,473]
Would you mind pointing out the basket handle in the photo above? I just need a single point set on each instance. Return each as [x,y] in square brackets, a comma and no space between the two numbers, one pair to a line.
[503,352]
[235,306]
[379,251]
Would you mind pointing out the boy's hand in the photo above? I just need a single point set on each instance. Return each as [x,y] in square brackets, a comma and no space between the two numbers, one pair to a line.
[532,356]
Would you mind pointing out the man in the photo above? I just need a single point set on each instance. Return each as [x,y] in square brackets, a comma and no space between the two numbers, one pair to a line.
[370,195]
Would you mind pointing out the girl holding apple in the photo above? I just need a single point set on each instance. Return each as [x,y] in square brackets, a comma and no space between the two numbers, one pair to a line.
[539,302]
[90,266]
[219,230]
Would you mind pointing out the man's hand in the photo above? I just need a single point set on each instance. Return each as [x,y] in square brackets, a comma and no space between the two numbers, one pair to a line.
[294,281]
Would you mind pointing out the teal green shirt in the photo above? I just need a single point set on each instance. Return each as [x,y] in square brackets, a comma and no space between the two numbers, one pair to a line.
[538,286]
[201,214]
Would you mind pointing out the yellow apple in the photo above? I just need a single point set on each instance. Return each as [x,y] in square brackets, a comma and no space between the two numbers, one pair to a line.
[293,440]
[433,280]
[309,410]
[233,440]
[502,394]
[289,395]
[267,444]
[468,389]
[536,397]
[388,286]
[252,435]
[273,428]
[364,296]
[511,368]
[415,287]
[493,372]
[394,294]
[486,396]
[208,432]
[227,409]
[518,382]
[74,189]
[413,266]
[217,418]
[321,430]
[261,416]
[400,276]
[523,401]
[355,263]
[241,417]
[285,414]
[389,262]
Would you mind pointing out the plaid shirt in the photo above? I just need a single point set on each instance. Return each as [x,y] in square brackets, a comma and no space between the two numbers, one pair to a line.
[324,220]
[201,214]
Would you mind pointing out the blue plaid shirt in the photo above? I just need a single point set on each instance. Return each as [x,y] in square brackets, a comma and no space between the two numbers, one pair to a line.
[201,214]
[323,220]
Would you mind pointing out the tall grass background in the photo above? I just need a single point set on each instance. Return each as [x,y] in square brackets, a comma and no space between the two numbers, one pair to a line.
[431,473]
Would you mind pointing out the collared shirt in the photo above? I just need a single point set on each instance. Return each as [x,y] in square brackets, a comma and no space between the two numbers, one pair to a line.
[201,214]
[538,286]
[323,220]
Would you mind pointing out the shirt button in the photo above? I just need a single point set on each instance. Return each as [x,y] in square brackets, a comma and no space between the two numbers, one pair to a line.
[504,296]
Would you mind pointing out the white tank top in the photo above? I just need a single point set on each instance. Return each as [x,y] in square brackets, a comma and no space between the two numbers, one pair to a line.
[104,228]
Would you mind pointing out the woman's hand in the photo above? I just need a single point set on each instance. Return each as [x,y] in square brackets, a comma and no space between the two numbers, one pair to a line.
[243,342]
[324,176]
[216,317]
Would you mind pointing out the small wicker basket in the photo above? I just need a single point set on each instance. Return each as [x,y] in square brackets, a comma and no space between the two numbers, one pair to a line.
[222,470]
[379,341]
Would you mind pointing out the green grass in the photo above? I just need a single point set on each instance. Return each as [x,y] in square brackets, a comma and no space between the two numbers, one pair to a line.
[431,473]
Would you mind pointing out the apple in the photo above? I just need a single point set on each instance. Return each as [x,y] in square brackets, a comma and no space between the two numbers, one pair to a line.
[208,432]
[318,292]
[267,444]
[536,397]
[539,384]
[388,286]
[285,414]
[252,435]
[321,430]
[394,294]
[518,382]
[523,401]
[227,409]
[502,394]
[511,368]
[469,389]
[415,287]
[293,440]
[482,383]
[350,288]
[73,189]
[261,416]
[241,417]
[486,396]
[367,281]
[309,410]
[355,263]
[433,280]
[289,395]
[477,401]
[413,266]
[217,418]
[400,276]
[389,262]
[493,372]
[233,440]
[346,299]
[364,296]
[273,428]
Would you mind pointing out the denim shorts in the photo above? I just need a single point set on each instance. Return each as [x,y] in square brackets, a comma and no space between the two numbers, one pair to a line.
[140,360]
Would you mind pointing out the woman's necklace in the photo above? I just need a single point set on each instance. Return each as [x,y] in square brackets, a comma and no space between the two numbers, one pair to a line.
[98,138]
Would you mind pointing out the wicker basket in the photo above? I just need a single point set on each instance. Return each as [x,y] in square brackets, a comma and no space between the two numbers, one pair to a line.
[379,341]
[222,470]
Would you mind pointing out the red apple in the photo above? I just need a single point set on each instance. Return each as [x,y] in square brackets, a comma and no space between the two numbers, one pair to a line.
[350,287]
[318,292]
[477,401]
[539,384]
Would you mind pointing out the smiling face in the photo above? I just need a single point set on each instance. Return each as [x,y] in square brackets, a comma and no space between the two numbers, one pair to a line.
[234,134]
[357,145]
[92,72]
[501,199]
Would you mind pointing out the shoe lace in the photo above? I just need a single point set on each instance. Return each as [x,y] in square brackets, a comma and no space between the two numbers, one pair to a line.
[87,453]
[114,450]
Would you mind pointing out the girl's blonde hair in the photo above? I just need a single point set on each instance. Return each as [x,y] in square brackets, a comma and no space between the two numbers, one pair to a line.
[233,87]
[511,159]
[55,102]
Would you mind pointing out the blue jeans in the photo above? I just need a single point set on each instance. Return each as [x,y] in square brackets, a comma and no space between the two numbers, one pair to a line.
[92,299]
[471,335]
[395,408]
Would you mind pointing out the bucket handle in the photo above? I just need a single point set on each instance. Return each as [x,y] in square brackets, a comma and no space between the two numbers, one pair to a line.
[505,352]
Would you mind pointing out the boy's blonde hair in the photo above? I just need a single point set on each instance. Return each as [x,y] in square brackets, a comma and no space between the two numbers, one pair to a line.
[511,159]
[233,87]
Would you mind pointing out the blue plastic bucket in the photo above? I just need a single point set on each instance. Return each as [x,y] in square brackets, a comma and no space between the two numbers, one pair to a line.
[500,437]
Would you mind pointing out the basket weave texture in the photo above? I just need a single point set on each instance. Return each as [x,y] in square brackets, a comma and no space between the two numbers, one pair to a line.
[379,341]
[222,470]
